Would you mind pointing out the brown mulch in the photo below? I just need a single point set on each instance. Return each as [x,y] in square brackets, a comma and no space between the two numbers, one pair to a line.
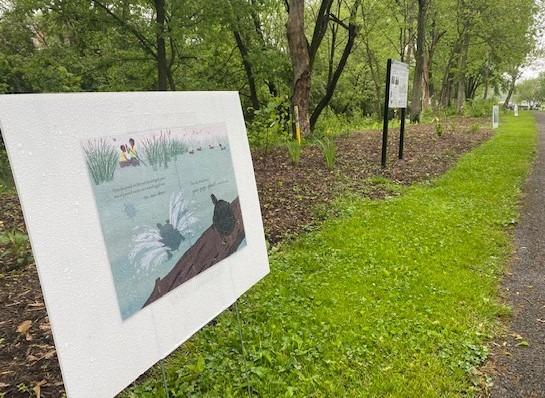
[289,195]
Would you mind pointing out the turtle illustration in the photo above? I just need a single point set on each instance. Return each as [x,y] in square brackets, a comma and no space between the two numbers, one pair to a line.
[153,245]
[224,218]
[170,237]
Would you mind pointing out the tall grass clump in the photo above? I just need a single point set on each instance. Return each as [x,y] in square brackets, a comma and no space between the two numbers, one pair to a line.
[294,151]
[329,152]
[160,151]
[102,160]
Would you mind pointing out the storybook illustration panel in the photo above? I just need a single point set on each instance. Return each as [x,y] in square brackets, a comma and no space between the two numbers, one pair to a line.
[168,206]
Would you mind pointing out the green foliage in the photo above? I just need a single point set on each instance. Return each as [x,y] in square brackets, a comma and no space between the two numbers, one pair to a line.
[6,178]
[479,107]
[102,159]
[270,125]
[392,298]
[332,124]
[294,151]
[14,245]
[329,151]
[438,127]
[160,150]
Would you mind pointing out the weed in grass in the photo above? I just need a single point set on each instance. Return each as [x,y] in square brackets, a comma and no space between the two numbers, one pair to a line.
[294,151]
[101,159]
[15,246]
[329,151]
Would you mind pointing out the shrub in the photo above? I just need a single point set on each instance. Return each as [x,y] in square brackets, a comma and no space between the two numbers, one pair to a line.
[479,107]
[329,151]
[270,124]
[294,151]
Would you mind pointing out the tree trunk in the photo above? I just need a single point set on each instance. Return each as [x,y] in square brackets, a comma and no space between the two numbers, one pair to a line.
[162,64]
[248,69]
[514,76]
[462,63]
[332,82]
[416,102]
[300,61]
[426,96]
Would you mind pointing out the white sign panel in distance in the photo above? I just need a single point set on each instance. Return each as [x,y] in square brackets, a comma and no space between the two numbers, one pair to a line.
[495,116]
[144,220]
[399,85]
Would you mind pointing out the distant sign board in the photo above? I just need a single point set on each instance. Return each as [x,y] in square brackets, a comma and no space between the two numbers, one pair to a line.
[399,84]
[144,219]
[495,117]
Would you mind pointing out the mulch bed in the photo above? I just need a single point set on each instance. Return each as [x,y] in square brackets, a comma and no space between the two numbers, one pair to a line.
[289,196]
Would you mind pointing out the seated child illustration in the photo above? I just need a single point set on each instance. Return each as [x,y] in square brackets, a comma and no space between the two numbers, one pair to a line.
[128,155]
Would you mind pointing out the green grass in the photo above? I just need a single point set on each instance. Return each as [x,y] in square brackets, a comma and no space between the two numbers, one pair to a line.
[393,298]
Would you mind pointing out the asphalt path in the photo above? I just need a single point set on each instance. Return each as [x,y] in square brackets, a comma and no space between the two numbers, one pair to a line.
[520,360]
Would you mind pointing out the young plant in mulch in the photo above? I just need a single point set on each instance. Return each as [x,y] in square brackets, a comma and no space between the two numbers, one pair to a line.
[475,128]
[15,251]
[101,160]
[294,151]
[329,152]
[438,126]
[6,178]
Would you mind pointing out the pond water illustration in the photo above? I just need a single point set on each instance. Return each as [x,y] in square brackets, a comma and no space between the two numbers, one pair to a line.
[153,192]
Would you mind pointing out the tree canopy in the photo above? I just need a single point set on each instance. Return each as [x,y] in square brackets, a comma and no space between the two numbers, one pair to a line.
[315,55]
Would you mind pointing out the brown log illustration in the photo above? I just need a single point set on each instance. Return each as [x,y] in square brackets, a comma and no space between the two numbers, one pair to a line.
[209,249]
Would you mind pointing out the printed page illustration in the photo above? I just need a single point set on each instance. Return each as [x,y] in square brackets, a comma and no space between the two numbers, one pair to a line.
[168,206]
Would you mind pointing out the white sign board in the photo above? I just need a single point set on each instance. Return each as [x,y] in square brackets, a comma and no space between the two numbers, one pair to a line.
[495,116]
[144,220]
[399,85]
[516,109]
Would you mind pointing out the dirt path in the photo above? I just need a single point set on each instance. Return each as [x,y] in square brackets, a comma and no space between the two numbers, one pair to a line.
[519,362]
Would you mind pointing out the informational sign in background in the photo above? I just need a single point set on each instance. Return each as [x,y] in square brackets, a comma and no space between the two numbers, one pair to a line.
[399,85]
[495,116]
[144,220]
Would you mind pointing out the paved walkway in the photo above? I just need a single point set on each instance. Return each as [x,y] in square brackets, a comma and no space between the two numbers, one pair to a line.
[520,367]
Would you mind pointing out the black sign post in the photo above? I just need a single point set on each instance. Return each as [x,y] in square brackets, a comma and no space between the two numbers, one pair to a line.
[400,88]
[402,133]
[385,122]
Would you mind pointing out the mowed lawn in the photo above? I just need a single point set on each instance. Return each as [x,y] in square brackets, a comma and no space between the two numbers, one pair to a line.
[394,298]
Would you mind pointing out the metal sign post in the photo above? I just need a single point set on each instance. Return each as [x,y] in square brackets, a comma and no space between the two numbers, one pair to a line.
[402,133]
[385,122]
[397,82]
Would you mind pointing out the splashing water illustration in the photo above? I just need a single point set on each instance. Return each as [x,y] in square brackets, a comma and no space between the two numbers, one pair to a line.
[155,245]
